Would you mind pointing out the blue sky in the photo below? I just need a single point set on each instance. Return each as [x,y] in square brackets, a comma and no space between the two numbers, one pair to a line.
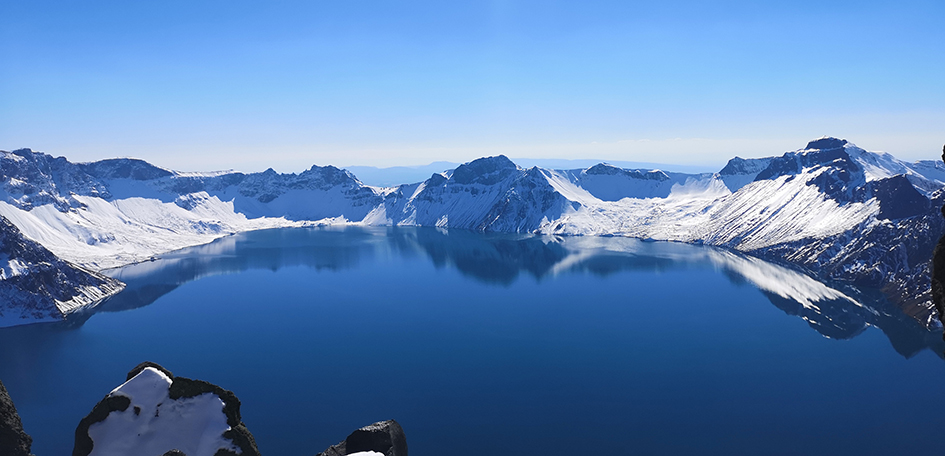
[249,85]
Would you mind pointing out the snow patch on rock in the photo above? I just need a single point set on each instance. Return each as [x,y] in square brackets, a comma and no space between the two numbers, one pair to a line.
[154,424]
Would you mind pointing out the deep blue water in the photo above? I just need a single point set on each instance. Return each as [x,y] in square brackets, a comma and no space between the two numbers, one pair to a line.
[493,345]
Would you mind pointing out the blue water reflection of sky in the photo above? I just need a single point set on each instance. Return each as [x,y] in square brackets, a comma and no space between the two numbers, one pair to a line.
[494,344]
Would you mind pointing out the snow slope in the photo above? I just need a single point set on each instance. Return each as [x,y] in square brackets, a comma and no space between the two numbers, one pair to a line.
[119,211]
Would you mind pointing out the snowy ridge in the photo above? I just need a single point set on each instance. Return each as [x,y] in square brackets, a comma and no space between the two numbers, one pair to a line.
[119,211]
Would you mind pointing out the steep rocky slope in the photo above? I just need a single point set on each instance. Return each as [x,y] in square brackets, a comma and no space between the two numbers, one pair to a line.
[35,285]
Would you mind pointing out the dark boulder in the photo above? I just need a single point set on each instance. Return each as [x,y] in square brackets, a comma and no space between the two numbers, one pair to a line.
[13,440]
[385,437]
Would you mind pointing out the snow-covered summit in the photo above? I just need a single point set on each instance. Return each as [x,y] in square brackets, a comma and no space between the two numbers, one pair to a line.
[846,157]
[488,194]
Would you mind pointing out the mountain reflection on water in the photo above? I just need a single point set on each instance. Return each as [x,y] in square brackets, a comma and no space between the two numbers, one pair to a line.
[839,312]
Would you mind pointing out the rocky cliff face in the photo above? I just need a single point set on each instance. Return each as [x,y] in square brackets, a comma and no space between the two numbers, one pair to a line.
[35,285]
[892,255]
[13,440]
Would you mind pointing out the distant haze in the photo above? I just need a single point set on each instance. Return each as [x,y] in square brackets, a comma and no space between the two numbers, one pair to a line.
[396,175]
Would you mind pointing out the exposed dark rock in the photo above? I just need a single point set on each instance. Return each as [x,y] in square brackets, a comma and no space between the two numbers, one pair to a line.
[385,437]
[826,143]
[44,281]
[604,169]
[938,279]
[841,173]
[740,165]
[611,170]
[484,171]
[13,440]
[83,443]
[894,256]
[238,433]
[124,168]
[180,388]
[938,271]
[898,198]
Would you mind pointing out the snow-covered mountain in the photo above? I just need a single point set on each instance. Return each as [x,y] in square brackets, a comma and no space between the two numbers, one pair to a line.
[35,285]
[831,208]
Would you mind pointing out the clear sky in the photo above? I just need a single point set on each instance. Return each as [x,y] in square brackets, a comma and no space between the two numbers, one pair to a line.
[251,84]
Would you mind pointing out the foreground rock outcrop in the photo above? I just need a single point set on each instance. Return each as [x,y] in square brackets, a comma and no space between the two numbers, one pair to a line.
[157,413]
[385,438]
[13,440]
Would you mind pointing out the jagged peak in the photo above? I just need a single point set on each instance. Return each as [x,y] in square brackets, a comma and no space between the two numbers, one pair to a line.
[326,167]
[24,152]
[330,174]
[826,143]
[826,152]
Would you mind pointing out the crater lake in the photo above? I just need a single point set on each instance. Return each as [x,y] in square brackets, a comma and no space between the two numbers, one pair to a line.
[498,344]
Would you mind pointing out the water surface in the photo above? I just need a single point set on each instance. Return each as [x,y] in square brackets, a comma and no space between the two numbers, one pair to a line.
[499,344]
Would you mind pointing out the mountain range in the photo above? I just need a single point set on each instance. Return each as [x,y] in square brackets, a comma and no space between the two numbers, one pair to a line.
[831,209]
